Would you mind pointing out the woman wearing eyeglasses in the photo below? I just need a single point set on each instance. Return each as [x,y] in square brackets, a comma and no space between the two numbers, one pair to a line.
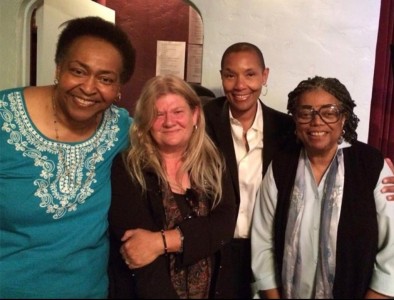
[321,228]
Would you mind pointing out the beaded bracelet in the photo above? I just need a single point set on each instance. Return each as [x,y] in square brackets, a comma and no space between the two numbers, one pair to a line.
[182,238]
[164,241]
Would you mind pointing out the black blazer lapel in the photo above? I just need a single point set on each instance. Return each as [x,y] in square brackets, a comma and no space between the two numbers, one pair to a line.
[227,145]
[278,132]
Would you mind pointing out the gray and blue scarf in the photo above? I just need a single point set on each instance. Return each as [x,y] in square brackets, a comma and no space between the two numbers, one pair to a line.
[292,261]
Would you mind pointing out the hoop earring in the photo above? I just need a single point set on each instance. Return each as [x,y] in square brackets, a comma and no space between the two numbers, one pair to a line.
[264,92]
[119,97]
[55,81]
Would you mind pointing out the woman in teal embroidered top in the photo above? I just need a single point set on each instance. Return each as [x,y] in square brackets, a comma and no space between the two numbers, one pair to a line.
[57,145]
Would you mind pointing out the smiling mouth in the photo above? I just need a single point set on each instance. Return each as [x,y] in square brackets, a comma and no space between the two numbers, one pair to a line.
[319,133]
[241,97]
[84,102]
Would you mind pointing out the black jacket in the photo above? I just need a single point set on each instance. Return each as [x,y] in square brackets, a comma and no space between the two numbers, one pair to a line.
[278,130]
[130,208]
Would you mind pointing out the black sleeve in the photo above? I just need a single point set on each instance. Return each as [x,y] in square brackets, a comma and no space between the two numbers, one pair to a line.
[203,236]
[129,209]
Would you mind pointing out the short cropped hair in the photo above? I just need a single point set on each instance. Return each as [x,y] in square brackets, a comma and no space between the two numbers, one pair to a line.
[99,28]
[243,47]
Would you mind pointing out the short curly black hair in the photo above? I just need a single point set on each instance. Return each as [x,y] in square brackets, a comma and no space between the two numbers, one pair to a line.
[100,28]
[335,88]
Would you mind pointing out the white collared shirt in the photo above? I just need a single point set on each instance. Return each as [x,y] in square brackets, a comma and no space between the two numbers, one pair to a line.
[249,169]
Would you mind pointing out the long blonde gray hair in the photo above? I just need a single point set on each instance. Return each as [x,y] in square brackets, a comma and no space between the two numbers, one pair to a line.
[201,159]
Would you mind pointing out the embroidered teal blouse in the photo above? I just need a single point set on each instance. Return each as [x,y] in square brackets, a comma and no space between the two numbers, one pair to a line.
[54,199]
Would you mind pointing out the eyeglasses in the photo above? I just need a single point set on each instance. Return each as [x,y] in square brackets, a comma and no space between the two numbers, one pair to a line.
[329,113]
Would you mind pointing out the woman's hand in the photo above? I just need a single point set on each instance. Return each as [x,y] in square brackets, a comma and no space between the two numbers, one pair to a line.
[141,247]
[389,182]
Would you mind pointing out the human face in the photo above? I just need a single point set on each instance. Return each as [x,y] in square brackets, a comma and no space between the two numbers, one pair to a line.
[174,123]
[318,137]
[243,78]
[89,79]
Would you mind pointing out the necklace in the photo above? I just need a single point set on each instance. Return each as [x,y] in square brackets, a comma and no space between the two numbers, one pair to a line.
[71,162]
[55,117]
[56,122]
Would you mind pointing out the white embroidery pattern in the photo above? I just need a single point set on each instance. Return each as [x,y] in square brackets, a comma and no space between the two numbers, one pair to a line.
[65,185]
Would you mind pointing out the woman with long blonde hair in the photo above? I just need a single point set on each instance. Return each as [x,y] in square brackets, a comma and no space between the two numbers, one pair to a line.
[200,158]
[170,208]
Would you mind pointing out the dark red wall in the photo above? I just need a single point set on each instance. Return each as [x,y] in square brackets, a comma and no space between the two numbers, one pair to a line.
[146,22]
